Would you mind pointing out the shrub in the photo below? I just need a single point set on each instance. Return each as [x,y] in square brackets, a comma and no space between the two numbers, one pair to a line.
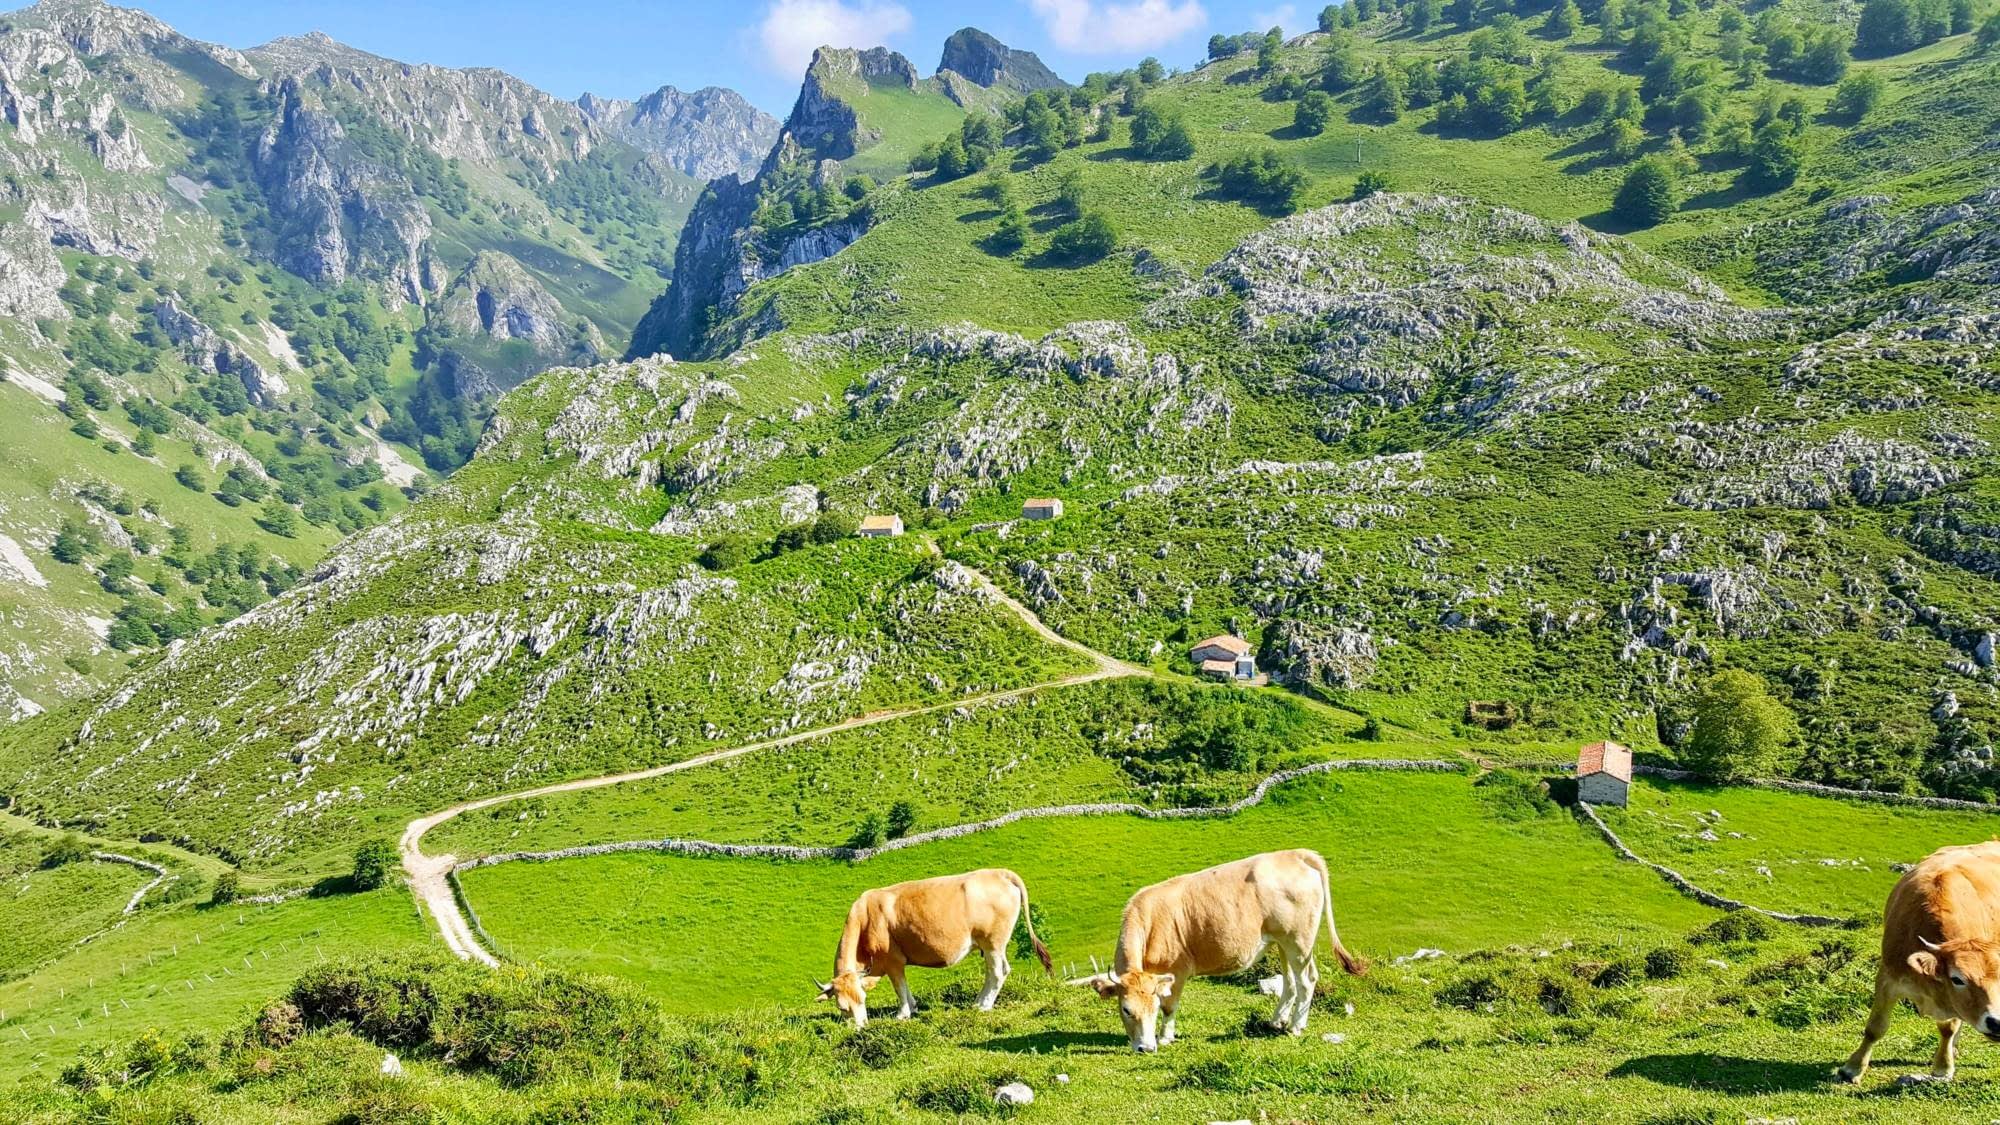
[1011,234]
[831,527]
[869,833]
[1617,974]
[1266,178]
[228,888]
[373,861]
[1668,962]
[1858,93]
[1989,32]
[1739,729]
[727,553]
[1085,240]
[1371,730]
[64,850]
[902,817]
[1370,183]
[1160,133]
[1647,197]
[1733,928]
[1313,113]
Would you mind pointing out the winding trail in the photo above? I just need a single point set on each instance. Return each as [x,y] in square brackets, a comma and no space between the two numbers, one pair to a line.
[430,875]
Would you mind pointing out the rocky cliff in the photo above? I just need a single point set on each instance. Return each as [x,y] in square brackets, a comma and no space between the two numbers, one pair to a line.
[994,65]
[706,134]
[496,325]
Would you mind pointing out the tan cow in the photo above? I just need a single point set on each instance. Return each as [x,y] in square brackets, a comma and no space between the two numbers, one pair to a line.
[1941,952]
[1216,922]
[931,923]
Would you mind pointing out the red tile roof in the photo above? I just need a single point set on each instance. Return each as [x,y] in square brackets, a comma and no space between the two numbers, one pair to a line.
[1226,642]
[1605,757]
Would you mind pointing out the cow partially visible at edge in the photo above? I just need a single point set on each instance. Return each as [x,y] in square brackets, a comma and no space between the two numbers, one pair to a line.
[933,924]
[1216,922]
[1941,952]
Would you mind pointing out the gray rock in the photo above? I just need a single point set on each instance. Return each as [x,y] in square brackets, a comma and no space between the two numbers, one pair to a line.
[1014,1093]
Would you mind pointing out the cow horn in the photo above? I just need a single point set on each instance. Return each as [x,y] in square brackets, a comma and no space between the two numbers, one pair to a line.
[1930,945]
[823,987]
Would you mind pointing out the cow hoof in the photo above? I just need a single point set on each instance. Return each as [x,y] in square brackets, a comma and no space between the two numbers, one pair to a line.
[1843,1074]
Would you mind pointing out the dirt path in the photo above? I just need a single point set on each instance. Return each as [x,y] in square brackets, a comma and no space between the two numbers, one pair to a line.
[430,875]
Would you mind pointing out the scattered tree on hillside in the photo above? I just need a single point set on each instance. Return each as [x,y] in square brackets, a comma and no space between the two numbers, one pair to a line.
[373,861]
[1648,195]
[1423,15]
[1089,238]
[1777,153]
[1268,51]
[1369,183]
[902,817]
[1159,132]
[1739,729]
[1385,98]
[1313,113]
[1150,72]
[1069,191]
[228,888]
[64,850]
[1564,20]
[1858,93]
[1890,27]
[1989,32]
[1329,17]
[1267,179]
[1341,67]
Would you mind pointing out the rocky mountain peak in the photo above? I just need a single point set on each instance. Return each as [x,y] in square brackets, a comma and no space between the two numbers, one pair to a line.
[991,63]
[705,134]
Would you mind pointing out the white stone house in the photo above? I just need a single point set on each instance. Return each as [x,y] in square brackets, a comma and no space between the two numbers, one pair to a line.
[880,527]
[1042,508]
[1603,773]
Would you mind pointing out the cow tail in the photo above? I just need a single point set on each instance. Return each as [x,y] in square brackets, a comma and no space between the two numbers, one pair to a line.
[1028,919]
[1355,966]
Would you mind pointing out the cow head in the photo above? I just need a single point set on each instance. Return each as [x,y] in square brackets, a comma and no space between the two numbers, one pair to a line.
[1139,994]
[849,993]
[1968,971]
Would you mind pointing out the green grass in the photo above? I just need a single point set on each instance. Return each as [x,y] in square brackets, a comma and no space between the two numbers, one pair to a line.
[1822,856]
[654,919]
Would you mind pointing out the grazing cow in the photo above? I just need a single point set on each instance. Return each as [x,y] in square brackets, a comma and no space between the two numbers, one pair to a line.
[1941,952]
[932,923]
[1215,922]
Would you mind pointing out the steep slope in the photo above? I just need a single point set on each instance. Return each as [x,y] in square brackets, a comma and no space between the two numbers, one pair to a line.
[859,114]
[218,271]
[992,64]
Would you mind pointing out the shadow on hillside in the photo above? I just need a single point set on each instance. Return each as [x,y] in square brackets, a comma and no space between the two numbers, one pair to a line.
[1726,1074]
[1051,1040]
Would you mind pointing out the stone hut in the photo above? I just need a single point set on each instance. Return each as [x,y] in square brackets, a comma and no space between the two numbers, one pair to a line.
[880,527]
[1042,508]
[1603,773]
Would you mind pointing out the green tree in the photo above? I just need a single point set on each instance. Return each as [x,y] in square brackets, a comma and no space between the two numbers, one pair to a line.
[1859,93]
[75,541]
[1777,153]
[1069,190]
[65,849]
[1313,113]
[1160,133]
[902,817]
[1369,183]
[832,527]
[1739,730]
[1565,19]
[1329,17]
[1268,51]
[1611,23]
[278,518]
[869,833]
[1385,98]
[1011,234]
[1989,32]
[1087,239]
[1151,73]
[1341,66]
[373,861]
[228,888]
[1647,197]
[1423,15]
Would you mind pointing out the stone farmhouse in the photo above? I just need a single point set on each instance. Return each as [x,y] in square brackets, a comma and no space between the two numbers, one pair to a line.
[1042,508]
[880,527]
[1224,657]
[1603,773]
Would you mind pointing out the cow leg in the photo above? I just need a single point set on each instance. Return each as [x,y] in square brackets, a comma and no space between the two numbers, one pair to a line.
[997,969]
[909,1008]
[1878,1026]
[1169,1005]
[1945,1061]
[1308,985]
[1288,989]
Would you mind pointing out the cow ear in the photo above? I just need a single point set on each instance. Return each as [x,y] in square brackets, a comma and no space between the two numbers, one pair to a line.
[1107,986]
[868,983]
[1165,981]
[1924,964]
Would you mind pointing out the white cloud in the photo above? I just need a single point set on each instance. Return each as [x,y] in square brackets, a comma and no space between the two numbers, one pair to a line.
[1284,15]
[1109,27]
[792,29]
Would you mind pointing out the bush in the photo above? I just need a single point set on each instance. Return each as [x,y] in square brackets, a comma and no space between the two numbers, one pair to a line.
[373,861]
[1266,178]
[727,553]
[1858,93]
[1733,928]
[1647,197]
[902,817]
[228,888]
[1370,183]
[1085,240]
[1160,133]
[1669,962]
[831,527]
[869,833]
[1313,113]
[1739,729]
[1011,234]
[64,850]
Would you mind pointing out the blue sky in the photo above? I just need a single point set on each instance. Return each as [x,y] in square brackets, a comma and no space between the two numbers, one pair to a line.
[628,47]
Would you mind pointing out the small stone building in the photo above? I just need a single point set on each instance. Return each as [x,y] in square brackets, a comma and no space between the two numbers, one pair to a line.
[880,527]
[1603,773]
[1042,508]
[1224,657]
